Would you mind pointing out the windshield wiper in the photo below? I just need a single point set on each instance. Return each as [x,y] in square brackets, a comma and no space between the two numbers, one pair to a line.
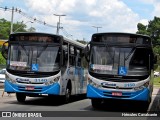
[27,53]
[44,48]
[133,49]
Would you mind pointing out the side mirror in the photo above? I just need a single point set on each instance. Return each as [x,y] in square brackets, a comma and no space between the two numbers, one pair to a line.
[87,52]
[5,50]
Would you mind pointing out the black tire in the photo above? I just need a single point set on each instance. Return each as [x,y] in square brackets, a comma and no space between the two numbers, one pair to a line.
[96,103]
[145,104]
[20,97]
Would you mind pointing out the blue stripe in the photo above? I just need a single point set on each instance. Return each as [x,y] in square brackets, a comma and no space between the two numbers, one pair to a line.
[141,95]
[52,89]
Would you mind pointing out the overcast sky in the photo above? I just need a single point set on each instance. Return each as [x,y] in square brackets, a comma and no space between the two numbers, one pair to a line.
[81,15]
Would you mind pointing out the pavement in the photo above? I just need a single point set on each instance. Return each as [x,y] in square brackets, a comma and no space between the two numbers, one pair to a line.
[1,85]
[156,91]
[154,106]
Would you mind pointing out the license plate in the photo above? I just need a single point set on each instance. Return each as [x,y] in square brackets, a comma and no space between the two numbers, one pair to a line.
[116,94]
[29,88]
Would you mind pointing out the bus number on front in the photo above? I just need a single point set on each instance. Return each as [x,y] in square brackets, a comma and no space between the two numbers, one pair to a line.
[40,80]
[129,85]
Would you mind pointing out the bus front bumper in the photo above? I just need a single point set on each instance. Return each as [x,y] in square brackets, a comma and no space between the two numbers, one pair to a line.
[141,95]
[14,88]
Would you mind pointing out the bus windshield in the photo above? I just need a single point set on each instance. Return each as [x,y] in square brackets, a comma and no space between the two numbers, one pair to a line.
[108,60]
[42,58]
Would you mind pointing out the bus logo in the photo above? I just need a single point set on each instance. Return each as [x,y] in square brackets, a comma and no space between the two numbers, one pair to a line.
[122,70]
[35,67]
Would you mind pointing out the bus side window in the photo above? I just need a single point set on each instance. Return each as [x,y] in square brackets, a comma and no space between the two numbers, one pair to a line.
[78,57]
[65,57]
[65,53]
[71,56]
[79,62]
[58,56]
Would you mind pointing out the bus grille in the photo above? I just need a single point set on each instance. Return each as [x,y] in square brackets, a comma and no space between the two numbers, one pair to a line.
[124,95]
[20,88]
[40,83]
[118,79]
[122,88]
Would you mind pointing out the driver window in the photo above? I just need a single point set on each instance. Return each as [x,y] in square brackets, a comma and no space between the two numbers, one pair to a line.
[140,58]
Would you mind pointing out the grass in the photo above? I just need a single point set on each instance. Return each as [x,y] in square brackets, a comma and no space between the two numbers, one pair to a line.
[157,81]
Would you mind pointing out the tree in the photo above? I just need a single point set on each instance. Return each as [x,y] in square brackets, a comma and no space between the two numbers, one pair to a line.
[17,27]
[153,30]
[4,28]
[5,31]
[2,60]
[142,29]
[31,29]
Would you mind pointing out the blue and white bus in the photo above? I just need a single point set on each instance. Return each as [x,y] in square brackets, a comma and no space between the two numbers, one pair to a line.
[120,67]
[44,64]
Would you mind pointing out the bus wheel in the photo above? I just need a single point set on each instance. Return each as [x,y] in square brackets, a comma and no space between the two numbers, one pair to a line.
[20,97]
[96,103]
[144,106]
[67,95]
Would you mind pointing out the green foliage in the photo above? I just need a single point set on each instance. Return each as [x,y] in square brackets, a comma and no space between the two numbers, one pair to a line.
[155,67]
[31,29]
[157,81]
[5,27]
[153,30]
[19,27]
[142,29]
[2,60]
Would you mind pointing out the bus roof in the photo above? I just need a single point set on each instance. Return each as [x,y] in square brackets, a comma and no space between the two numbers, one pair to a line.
[75,42]
[121,33]
[36,33]
[122,38]
[64,38]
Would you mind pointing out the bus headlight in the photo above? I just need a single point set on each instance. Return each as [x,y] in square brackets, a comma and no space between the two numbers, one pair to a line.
[93,83]
[9,79]
[145,85]
[52,81]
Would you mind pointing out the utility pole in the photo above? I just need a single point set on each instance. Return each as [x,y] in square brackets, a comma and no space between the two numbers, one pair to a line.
[12,20]
[96,27]
[58,23]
